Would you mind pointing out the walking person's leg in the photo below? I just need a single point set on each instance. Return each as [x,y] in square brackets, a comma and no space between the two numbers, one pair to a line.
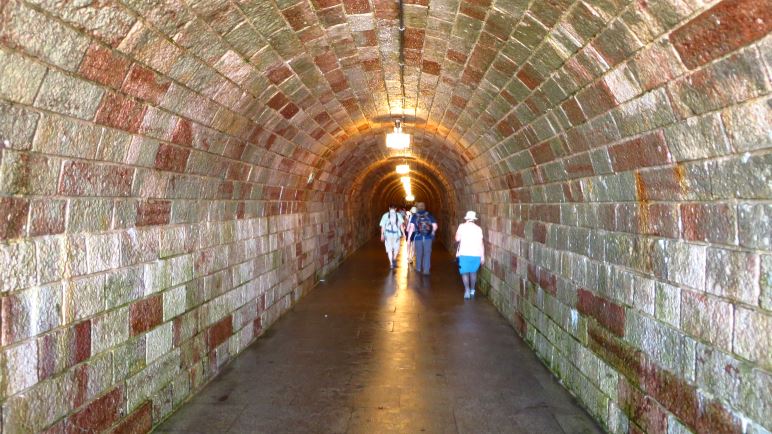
[465,279]
[418,245]
[472,283]
[427,256]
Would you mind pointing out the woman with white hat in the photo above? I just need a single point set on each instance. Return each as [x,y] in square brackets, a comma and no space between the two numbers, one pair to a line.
[470,253]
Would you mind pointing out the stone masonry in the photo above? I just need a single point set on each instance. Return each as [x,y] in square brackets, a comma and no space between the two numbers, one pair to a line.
[176,174]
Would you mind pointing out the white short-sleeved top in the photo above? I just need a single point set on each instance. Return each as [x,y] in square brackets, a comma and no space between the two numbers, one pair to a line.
[471,240]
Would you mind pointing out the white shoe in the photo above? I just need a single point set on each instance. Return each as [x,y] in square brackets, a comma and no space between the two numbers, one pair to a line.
[471,294]
[466,295]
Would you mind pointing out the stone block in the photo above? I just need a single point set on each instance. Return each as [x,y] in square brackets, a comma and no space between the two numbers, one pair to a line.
[63,348]
[124,286]
[21,77]
[50,40]
[80,178]
[743,177]
[68,95]
[89,215]
[20,367]
[649,111]
[14,214]
[697,137]
[17,266]
[25,173]
[729,81]
[119,111]
[17,124]
[734,275]
[713,222]
[99,414]
[686,264]
[43,404]
[707,318]
[84,297]
[158,342]
[174,302]
[59,135]
[31,312]
[755,225]
[747,125]
[110,330]
[753,336]
[104,66]
[720,30]
[668,304]
[47,217]
[138,246]
[644,151]
[146,314]
[103,252]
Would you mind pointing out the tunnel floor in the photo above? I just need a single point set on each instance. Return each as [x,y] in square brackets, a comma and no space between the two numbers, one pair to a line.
[373,350]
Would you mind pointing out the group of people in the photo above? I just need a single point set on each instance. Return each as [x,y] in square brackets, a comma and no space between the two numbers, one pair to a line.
[419,227]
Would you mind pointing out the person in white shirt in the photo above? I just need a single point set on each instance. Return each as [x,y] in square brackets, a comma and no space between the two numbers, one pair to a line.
[470,253]
[392,231]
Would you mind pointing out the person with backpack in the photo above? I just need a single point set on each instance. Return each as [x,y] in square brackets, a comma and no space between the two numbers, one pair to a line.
[470,253]
[423,227]
[391,233]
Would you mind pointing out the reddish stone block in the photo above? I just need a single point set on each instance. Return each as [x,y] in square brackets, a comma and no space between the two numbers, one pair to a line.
[337,80]
[540,233]
[370,65]
[153,212]
[47,217]
[458,101]
[82,178]
[324,4]
[257,326]
[219,332]
[456,56]
[298,16]
[183,133]
[596,99]
[431,67]
[278,73]
[626,359]
[104,66]
[120,111]
[98,415]
[171,157]
[82,350]
[722,29]
[277,101]
[386,9]
[579,166]
[139,422]
[326,62]
[414,38]
[356,6]
[471,77]
[529,76]
[472,11]
[644,151]
[146,314]
[666,183]
[542,153]
[713,223]
[606,312]
[642,410]
[289,111]
[573,111]
[144,84]
[13,217]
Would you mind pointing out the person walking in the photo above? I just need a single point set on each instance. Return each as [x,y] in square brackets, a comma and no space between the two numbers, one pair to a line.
[391,233]
[470,253]
[410,245]
[423,227]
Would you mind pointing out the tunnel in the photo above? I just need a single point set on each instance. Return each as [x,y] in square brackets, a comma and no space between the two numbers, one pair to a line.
[178,177]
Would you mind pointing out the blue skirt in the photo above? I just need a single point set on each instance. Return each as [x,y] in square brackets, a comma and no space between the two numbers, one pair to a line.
[468,264]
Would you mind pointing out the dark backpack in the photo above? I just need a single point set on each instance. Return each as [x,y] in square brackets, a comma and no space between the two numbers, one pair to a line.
[423,223]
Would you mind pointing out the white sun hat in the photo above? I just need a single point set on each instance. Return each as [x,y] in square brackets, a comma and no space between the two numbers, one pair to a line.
[470,215]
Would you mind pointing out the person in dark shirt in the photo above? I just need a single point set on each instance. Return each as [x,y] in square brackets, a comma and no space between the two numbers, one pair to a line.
[422,229]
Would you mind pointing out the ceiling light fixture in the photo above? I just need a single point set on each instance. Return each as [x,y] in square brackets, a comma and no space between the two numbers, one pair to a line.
[403,169]
[397,139]
[409,198]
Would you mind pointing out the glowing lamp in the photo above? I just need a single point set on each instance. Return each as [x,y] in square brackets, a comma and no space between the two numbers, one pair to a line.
[397,139]
[403,169]
[409,198]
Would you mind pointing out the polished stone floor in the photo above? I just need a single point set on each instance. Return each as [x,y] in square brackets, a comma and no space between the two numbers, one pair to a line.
[378,351]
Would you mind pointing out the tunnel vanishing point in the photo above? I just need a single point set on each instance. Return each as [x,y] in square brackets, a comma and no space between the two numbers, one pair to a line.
[176,175]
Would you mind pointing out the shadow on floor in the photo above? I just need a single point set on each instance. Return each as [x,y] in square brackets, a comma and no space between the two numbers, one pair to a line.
[378,351]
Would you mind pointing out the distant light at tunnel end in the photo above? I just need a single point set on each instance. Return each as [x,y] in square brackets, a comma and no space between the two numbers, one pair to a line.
[403,169]
[409,198]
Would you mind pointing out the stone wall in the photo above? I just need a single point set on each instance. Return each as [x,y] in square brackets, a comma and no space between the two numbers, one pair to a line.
[630,232]
[150,229]
[174,175]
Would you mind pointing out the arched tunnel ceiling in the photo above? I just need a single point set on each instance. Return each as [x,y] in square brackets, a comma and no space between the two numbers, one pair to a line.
[313,78]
